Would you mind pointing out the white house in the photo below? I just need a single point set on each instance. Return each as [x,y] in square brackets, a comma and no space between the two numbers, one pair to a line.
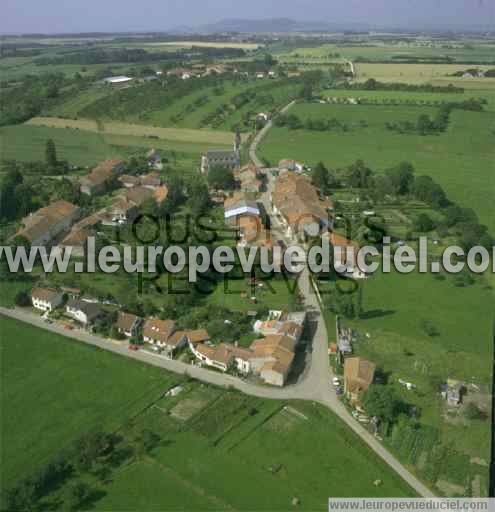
[84,312]
[128,324]
[46,299]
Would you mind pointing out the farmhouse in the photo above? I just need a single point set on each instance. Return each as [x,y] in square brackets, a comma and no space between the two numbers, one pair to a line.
[248,179]
[118,80]
[79,234]
[290,165]
[345,253]
[100,177]
[237,205]
[46,224]
[175,342]
[154,159]
[358,376]
[197,336]
[158,332]
[272,358]
[223,357]
[85,313]
[128,324]
[46,299]
[299,207]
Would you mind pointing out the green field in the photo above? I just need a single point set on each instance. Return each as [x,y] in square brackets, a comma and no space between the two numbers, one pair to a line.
[27,143]
[394,309]
[461,159]
[54,389]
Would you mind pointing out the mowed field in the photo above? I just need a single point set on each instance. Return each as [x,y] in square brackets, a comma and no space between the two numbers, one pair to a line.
[85,147]
[137,130]
[461,159]
[212,441]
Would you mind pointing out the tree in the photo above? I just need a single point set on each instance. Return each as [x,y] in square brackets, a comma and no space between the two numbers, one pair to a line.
[77,494]
[199,197]
[51,154]
[22,298]
[424,124]
[381,401]
[423,223]
[359,175]
[221,178]
[401,177]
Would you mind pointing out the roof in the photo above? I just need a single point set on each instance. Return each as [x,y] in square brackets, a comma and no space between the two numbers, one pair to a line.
[126,321]
[358,374]
[39,222]
[298,200]
[268,345]
[138,195]
[222,154]
[160,194]
[45,294]
[197,336]
[176,338]
[101,173]
[90,309]
[118,79]
[157,329]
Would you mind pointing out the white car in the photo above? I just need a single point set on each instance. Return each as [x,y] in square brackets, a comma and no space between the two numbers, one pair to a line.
[336,381]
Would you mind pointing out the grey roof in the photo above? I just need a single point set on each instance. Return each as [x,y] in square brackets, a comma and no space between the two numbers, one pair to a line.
[88,308]
[221,153]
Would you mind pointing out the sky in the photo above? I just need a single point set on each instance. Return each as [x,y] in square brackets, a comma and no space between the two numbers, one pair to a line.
[65,16]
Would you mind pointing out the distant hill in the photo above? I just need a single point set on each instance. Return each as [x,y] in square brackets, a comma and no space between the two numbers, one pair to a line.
[281,25]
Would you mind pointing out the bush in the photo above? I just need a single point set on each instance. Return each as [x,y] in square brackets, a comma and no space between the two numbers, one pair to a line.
[22,299]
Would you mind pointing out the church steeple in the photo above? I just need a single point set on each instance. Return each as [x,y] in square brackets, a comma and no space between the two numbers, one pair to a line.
[237,141]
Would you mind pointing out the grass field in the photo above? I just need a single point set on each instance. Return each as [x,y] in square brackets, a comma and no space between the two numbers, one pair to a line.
[461,159]
[137,130]
[54,389]
[394,309]
[28,142]
[84,147]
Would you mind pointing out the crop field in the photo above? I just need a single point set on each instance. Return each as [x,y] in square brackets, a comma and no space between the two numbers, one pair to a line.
[379,51]
[420,73]
[461,159]
[222,440]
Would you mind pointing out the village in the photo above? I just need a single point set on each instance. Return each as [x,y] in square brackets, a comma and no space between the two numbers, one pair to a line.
[268,207]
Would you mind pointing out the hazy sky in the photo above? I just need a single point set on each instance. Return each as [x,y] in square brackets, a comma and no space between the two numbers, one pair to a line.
[47,16]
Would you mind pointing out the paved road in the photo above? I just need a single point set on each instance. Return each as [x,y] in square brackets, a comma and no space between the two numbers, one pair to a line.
[260,135]
[315,385]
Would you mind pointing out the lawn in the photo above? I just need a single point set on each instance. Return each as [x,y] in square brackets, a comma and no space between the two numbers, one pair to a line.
[54,389]
[461,159]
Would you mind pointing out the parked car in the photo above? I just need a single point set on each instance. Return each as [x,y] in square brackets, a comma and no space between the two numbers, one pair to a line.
[133,347]
[336,381]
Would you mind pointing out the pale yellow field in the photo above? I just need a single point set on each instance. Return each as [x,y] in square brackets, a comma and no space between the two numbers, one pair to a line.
[417,73]
[138,130]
